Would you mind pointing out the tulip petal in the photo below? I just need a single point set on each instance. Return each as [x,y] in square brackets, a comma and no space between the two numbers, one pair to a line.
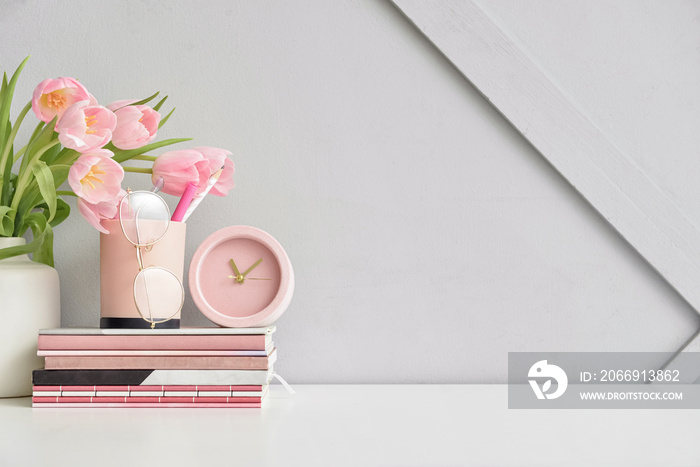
[178,168]
[96,214]
[225,182]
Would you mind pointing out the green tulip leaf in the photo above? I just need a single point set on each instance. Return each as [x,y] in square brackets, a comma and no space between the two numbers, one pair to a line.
[3,88]
[65,156]
[11,251]
[52,153]
[160,104]
[42,245]
[7,186]
[44,253]
[59,173]
[7,222]
[121,156]
[146,100]
[44,178]
[42,232]
[165,119]
[62,212]
[45,136]
[8,90]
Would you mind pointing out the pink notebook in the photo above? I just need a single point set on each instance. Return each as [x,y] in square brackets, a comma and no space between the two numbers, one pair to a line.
[171,387]
[153,342]
[145,400]
[248,392]
[153,362]
[94,405]
[159,353]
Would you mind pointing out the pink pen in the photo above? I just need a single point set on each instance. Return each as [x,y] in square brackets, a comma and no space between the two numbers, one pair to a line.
[184,203]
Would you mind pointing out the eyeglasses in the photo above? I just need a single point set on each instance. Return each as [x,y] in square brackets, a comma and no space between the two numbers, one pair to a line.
[158,293]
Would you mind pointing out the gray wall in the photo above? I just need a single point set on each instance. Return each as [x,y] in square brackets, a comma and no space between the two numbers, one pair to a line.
[428,238]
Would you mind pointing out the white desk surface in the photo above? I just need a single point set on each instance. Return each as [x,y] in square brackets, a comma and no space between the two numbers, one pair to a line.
[353,425]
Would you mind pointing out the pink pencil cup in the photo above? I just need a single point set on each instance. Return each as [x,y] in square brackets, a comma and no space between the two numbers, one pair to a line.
[119,267]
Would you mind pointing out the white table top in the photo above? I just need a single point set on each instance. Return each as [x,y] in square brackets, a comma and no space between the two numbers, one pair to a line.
[353,425]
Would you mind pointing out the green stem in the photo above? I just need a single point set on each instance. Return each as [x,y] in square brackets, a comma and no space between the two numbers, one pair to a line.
[18,154]
[65,193]
[145,157]
[138,170]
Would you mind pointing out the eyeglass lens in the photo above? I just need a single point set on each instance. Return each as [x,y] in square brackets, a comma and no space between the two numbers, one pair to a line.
[158,294]
[144,217]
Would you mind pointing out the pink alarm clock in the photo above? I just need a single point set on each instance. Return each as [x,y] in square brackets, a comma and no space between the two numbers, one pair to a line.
[240,276]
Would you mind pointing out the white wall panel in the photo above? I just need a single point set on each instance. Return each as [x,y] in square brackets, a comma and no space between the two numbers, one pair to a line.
[428,238]
[633,68]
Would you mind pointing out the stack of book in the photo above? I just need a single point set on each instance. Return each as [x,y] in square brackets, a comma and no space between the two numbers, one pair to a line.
[188,367]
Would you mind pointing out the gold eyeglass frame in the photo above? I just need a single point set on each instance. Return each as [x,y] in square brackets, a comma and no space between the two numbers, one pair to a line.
[148,247]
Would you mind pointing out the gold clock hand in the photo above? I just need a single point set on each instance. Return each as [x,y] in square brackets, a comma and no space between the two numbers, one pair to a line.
[239,277]
[235,269]
[252,267]
[250,278]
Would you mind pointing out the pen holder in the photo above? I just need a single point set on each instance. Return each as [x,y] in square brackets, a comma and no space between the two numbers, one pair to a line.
[119,267]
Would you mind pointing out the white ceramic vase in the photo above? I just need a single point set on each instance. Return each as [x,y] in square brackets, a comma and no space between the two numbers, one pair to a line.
[29,301]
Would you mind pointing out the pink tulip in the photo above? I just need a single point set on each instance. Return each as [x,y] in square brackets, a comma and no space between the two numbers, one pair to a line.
[53,96]
[86,127]
[219,158]
[96,177]
[97,214]
[178,168]
[136,126]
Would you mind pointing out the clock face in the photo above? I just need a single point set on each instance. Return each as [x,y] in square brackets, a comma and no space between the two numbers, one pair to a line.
[241,277]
